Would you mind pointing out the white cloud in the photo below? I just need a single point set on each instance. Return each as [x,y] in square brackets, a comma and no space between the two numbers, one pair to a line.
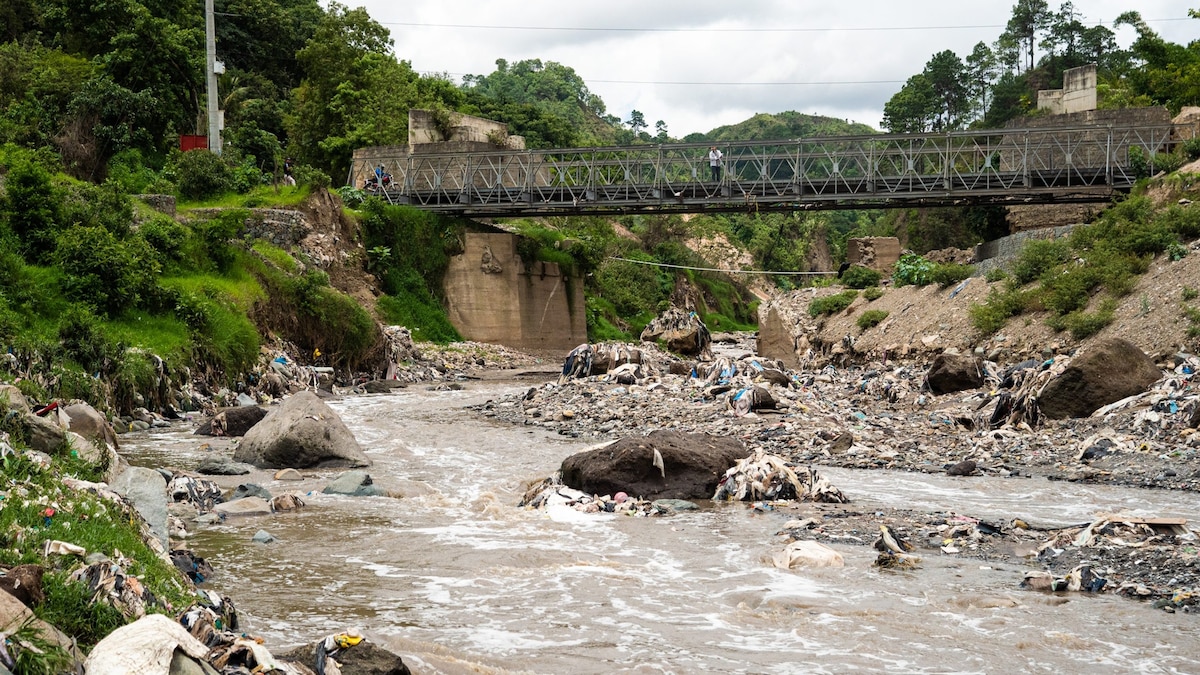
[834,67]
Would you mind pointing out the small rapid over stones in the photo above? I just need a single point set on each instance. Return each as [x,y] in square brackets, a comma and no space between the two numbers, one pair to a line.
[456,578]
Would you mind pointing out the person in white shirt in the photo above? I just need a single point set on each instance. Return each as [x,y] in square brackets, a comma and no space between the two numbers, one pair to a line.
[714,163]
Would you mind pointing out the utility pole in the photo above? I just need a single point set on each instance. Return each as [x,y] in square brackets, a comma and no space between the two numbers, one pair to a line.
[210,68]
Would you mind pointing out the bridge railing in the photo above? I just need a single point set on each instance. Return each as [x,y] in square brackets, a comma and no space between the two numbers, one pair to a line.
[856,169]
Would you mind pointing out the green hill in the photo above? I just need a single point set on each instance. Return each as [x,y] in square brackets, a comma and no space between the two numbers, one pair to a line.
[784,125]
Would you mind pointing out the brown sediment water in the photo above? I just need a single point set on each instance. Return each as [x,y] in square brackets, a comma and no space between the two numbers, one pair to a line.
[457,579]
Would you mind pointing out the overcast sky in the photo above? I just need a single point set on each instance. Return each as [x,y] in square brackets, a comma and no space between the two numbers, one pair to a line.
[703,63]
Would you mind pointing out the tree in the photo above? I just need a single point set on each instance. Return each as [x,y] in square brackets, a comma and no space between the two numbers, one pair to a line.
[339,61]
[913,109]
[1064,36]
[660,132]
[637,121]
[1028,18]
[980,70]
[947,78]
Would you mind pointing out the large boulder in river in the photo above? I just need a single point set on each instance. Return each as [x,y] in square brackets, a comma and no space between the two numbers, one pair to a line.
[663,465]
[235,421]
[301,433]
[951,372]
[1107,372]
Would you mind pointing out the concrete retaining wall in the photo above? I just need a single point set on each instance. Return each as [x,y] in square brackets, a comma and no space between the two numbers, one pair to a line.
[492,297]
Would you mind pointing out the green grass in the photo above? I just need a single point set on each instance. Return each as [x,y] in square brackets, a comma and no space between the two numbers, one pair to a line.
[83,519]
[427,321]
[264,196]
[239,287]
[277,256]
[163,335]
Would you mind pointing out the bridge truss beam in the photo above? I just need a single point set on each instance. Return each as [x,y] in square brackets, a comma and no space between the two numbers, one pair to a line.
[1006,167]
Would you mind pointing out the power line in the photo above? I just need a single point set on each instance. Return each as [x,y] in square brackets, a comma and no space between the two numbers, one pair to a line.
[716,269]
[708,84]
[793,29]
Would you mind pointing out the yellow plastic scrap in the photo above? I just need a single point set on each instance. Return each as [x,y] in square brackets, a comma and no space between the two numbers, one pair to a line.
[345,640]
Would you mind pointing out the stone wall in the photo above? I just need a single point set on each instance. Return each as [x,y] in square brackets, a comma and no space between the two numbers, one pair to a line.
[281,227]
[1000,252]
[878,253]
[492,297]
[423,129]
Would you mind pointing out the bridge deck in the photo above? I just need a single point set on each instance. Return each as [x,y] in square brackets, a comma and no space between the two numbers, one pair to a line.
[1012,166]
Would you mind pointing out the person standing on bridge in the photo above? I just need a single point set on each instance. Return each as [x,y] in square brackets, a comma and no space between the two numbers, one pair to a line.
[714,163]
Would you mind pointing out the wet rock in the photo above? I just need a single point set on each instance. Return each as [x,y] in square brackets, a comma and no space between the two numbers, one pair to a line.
[247,506]
[663,465]
[89,423]
[147,489]
[222,466]
[234,421]
[24,582]
[674,505]
[1107,372]
[263,537]
[805,553]
[16,400]
[382,386]
[249,490]
[302,432]
[45,435]
[966,467]
[364,658]
[288,474]
[354,484]
[954,372]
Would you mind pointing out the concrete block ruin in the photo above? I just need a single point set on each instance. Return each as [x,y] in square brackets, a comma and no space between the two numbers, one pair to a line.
[436,132]
[878,253]
[1077,95]
[493,296]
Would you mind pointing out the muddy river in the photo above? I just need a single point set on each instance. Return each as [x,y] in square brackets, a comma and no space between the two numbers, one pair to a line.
[457,579]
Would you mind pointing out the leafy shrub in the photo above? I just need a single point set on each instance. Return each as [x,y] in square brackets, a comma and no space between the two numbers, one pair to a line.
[1183,221]
[29,205]
[83,339]
[858,276]
[832,304]
[995,274]
[948,274]
[1191,148]
[872,293]
[631,288]
[1039,256]
[1190,293]
[913,270]
[128,169]
[990,316]
[871,318]
[104,271]
[106,206]
[1082,324]
[166,236]
[213,239]
[421,314]
[312,176]
[201,174]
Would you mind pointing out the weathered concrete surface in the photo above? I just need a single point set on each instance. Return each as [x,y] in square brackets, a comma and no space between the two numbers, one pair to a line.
[878,253]
[1077,95]
[493,297]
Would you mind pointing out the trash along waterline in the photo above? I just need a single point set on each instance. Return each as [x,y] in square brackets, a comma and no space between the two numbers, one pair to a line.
[456,578]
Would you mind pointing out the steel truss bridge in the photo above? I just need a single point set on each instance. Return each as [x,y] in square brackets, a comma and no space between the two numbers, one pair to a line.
[1005,167]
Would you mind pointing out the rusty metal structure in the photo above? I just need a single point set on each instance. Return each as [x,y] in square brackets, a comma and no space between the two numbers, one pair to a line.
[1005,167]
